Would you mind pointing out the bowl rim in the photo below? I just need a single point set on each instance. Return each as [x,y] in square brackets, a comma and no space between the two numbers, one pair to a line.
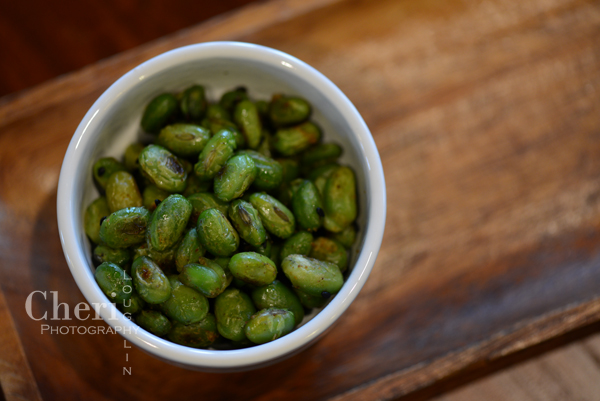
[68,205]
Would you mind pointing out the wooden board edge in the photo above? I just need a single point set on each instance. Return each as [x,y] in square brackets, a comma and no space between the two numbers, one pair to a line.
[229,26]
[500,346]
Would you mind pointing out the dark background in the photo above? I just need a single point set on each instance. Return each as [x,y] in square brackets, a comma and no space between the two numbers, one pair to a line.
[42,39]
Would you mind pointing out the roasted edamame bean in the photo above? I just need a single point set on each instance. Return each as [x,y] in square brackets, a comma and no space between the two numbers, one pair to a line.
[346,237]
[104,168]
[308,207]
[149,280]
[253,268]
[120,257]
[132,305]
[183,140]
[205,276]
[269,324]
[163,168]
[312,276]
[277,295]
[196,335]
[158,112]
[247,118]
[247,223]
[168,222]
[235,178]
[152,196]
[114,282]
[269,172]
[298,244]
[233,308]
[230,99]
[185,304]
[94,214]
[194,185]
[288,110]
[293,140]
[321,154]
[193,103]
[276,218]
[125,227]
[190,250]
[339,200]
[132,153]
[122,191]
[204,201]
[154,321]
[330,250]
[216,125]
[216,233]
[215,154]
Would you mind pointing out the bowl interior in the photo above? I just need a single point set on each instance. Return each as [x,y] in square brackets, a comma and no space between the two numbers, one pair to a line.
[114,122]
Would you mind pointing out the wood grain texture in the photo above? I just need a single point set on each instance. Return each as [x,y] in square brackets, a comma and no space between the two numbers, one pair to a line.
[16,379]
[570,373]
[486,117]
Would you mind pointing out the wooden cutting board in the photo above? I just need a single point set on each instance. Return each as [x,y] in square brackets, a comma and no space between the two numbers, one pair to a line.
[487,118]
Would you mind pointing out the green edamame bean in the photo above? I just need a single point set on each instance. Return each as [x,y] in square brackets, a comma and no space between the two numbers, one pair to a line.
[277,295]
[125,227]
[152,196]
[233,308]
[95,212]
[158,112]
[164,259]
[216,125]
[122,191]
[263,108]
[163,168]
[196,335]
[330,250]
[312,276]
[114,282]
[346,237]
[230,99]
[235,178]
[324,153]
[265,144]
[132,305]
[269,324]
[276,218]
[193,103]
[310,301]
[120,257]
[288,110]
[216,233]
[222,261]
[168,222]
[288,189]
[183,140]
[290,168]
[293,140]
[308,207]
[253,268]
[339,200]
[204,201]
[269,171]
[103,169]
[217,112]
[185,304]
[247,118]
[321,174]
[149,280]
[206,276]
[189,251]
[154,322]
[215,154]
[132,153]
[247,223]
[297,244]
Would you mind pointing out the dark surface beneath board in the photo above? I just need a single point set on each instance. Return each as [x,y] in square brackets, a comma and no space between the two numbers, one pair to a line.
[43,39]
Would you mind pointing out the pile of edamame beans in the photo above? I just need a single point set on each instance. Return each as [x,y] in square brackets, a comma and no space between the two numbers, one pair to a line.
[226,229]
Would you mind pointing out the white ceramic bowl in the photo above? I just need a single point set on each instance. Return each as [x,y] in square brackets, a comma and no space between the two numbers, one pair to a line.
[113,122]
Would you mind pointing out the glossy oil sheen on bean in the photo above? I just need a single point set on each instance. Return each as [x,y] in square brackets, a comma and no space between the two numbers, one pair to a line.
[169,221]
